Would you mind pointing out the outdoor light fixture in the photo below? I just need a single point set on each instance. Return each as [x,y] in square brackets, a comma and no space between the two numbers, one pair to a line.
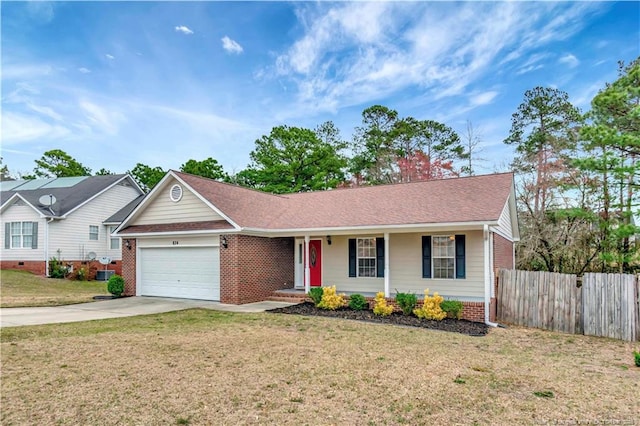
[223,242]
[127,244]
[329,239]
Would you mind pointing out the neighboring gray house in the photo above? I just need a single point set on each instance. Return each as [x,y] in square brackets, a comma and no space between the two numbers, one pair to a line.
[75,229]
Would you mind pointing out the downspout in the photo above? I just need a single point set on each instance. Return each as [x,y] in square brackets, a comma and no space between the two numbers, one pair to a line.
[46,246]
[487,276]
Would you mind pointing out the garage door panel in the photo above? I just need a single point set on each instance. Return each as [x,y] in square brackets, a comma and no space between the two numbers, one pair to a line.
[186,272]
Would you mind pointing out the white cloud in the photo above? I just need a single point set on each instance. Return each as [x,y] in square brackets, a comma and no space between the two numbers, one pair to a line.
[183,29]
[84,70]
[231,46]
[102,119]
[25,71]
[108,56]
[483,98]
[570,60]
[19,128]
[45,110]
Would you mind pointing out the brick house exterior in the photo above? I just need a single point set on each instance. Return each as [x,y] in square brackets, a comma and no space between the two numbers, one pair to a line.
[193,237]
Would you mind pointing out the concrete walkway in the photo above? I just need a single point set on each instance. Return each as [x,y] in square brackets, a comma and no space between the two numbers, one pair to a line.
[116,308]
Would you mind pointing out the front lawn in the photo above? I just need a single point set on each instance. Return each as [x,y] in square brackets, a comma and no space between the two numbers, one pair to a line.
[207,367]
[20,288]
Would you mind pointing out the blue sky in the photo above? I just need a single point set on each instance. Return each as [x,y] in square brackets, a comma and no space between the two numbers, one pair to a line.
[117,83]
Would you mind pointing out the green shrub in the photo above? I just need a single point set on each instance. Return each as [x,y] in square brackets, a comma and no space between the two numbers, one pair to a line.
[115,285]
[453,308]
[406,301]
[357,302]
[56,269]
[636,355]
[315,294]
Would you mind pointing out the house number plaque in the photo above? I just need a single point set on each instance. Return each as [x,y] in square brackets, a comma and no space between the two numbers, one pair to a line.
[175,243]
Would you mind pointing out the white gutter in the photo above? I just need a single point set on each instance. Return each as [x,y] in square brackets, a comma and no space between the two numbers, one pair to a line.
[46,246]
[487,277]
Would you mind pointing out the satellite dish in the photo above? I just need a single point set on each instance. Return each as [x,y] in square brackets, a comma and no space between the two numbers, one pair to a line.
[47,200]
[91,255]
[105,260]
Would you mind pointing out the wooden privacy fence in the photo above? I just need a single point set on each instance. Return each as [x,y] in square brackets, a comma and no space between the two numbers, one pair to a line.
[605,305]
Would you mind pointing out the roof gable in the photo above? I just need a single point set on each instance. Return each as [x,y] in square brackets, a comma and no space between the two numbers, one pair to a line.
[70,193]
[159,208]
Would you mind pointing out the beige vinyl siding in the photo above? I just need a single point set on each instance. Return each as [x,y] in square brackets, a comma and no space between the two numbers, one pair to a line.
[504,222]
[335,267]
[71,235]
[162,210]
[21,212]
[405,263]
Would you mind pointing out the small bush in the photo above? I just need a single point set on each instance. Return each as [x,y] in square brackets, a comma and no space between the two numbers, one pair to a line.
[56,269]
[381,307]
[636,355]
[453,308]
[407,302]
[315,293]
[431,309]
[330,299]
[81,274]
[357,302]
[115,285]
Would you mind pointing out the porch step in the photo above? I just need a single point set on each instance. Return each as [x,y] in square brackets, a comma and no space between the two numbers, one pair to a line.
[290,299]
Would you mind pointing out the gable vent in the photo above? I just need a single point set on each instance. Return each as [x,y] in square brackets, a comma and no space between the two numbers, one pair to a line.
[176,193]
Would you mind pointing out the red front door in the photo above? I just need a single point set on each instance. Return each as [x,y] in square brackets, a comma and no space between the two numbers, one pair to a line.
[315,263]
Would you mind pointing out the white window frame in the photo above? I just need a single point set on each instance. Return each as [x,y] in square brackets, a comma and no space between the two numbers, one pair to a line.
[372,249]
[20,235]
[111,239]
[452,239]
[97,233]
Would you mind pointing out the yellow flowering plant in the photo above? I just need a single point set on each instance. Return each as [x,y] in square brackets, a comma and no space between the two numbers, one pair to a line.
[431,309]
[381,307]
[330,299]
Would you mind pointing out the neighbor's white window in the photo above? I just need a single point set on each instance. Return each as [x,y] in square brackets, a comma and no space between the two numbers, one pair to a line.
[21,234]
[93,232]
[366,257]
[444,257]
[114,242]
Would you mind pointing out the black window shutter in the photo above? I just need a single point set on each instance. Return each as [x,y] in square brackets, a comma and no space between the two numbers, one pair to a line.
[7,235]
[34,238]
[352,257]
[380,257]
[426,256]
[460,256]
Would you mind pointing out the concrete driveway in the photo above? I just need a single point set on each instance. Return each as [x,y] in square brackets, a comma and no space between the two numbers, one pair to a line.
[116,308]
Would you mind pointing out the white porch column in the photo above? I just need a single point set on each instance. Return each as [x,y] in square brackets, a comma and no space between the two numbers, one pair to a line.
[307,271]
[387,278]
[487,273]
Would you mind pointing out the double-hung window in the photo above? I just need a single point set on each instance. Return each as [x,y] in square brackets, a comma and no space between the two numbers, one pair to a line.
[93,232]
[114,242]
[444,256]
[21,235]
[366,257]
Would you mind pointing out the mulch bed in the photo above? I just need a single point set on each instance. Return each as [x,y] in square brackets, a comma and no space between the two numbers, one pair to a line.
[396,318]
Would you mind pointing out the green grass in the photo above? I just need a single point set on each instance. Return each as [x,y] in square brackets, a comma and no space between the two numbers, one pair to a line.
[20,289]
[208,367]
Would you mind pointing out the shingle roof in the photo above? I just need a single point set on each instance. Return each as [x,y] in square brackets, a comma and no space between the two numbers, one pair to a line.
[69,192]
[180,226]
[468,199]
[121,214]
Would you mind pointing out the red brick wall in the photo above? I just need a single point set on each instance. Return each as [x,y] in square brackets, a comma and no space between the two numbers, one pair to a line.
[502,258]
[129,268]
[36,266]
[502,252]
[251,268]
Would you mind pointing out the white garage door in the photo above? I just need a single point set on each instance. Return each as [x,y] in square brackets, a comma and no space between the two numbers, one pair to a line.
[186,272]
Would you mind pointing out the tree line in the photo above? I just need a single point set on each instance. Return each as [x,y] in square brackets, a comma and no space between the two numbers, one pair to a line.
[576,174]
